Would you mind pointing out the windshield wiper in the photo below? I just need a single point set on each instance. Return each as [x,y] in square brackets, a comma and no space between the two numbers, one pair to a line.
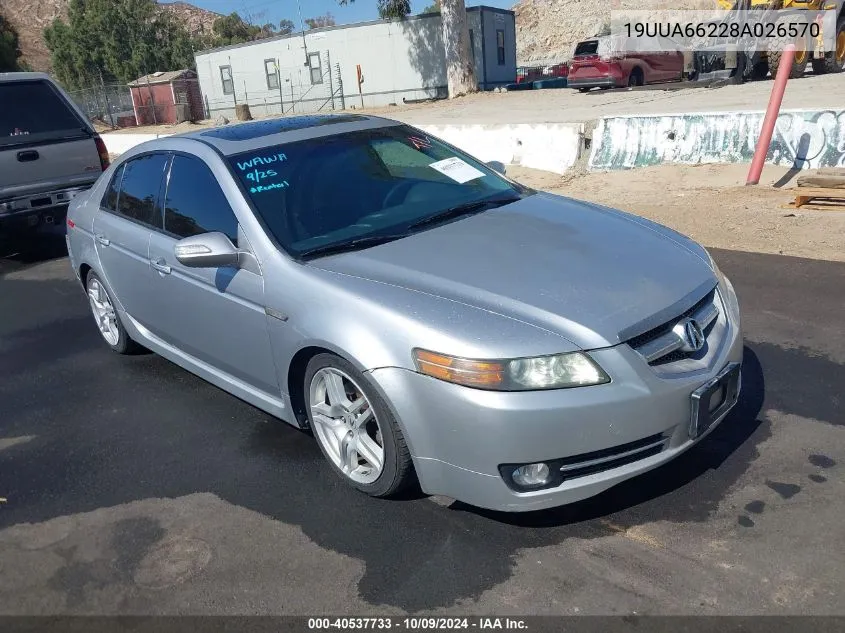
[352,245]
[463,209]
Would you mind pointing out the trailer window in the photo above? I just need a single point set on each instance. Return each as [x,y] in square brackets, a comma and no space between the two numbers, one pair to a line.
[34,111]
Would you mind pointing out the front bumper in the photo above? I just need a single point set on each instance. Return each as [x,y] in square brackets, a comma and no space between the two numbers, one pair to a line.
[460,436]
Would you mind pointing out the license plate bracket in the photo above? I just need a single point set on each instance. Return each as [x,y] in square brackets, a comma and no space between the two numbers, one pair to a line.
[703,411]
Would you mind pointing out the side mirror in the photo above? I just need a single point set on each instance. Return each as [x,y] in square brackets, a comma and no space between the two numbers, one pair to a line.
[496,166]
[209,250]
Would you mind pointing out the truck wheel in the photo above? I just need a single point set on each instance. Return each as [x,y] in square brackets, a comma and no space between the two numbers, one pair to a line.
[760,71]
[802,52]
[833,62]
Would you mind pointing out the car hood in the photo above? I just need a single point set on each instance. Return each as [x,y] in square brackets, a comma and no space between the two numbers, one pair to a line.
[593,275]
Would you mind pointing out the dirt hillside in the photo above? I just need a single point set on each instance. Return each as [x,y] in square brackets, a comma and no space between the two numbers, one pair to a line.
[547,30]
[31,18]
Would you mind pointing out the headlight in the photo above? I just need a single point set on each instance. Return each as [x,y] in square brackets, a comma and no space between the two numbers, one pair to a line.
[558,371]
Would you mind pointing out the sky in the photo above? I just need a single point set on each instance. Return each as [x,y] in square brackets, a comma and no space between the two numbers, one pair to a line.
[276,10]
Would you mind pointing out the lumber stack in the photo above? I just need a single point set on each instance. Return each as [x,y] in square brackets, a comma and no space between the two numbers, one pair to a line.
[824,188]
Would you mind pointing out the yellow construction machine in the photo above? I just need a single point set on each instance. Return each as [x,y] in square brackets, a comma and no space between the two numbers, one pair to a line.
[757,63]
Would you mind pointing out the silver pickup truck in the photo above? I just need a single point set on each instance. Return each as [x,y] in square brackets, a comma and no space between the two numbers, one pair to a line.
[49,152]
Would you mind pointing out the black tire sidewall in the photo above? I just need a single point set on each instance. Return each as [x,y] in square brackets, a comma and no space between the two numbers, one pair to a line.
[831,65]
[391,478]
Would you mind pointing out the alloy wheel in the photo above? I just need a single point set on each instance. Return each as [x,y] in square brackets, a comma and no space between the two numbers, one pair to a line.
[103,311]
[346,425]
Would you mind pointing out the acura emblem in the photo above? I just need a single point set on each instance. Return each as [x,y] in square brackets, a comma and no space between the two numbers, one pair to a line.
[691,335]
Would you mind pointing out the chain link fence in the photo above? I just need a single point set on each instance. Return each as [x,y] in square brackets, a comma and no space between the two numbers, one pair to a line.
[311,88]
[108,104]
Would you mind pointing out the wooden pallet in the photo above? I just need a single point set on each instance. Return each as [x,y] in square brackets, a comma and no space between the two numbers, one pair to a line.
[824,198]
[824,187]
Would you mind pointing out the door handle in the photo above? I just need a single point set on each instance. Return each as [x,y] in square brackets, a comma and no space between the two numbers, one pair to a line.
[102,239]
[160,265]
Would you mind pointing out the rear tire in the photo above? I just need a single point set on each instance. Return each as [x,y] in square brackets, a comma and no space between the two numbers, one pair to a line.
[107,318]
[635,78]
[354,428]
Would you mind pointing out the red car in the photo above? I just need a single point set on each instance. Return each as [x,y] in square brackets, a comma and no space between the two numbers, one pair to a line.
[606,62]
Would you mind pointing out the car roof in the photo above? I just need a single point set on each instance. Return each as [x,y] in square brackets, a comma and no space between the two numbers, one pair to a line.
[245,137]
[25,76]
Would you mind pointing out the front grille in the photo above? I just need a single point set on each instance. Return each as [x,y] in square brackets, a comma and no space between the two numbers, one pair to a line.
[608,458]
[614,463]
[673,357]
[665,328]
[575,466]
[661,345]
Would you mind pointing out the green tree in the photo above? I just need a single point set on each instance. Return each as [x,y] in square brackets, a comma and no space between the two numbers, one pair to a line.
[9,49]
[231,29]
[118,40]
[320,21]
[434,7]
[460,70]
[286,27]
[389,9]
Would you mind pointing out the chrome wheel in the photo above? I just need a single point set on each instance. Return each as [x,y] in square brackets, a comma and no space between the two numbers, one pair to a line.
[103,311]
[346,425]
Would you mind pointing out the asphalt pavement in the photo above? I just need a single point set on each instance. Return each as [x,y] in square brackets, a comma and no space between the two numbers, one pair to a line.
[132,486]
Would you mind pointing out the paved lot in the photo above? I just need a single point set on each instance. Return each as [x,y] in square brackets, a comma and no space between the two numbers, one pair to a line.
[134,487]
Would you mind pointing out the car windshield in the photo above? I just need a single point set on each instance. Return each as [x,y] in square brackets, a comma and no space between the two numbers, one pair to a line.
[362,188]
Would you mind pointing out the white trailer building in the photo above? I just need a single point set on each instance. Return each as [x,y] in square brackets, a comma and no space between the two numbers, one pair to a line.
[318,70]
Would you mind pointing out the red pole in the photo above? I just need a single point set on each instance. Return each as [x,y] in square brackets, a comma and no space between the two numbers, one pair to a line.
[771,116]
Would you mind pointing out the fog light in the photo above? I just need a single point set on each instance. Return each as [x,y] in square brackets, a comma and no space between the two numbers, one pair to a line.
[531,475]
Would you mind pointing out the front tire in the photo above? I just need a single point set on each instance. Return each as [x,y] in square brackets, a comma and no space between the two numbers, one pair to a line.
[354,428]
[833,62]
[107,318]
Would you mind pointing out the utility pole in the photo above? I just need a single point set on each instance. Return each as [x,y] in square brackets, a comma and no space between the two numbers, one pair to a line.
[152,100]
[106,96]
[302,27]
[279,81]
[234,87]
[331,83]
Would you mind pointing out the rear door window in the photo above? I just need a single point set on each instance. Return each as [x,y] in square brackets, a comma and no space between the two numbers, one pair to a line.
[35,111]
[112,193]
[140,189]
[590,47]
[195,203]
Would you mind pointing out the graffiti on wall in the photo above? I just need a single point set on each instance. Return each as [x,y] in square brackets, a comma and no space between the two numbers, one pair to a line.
[805,139]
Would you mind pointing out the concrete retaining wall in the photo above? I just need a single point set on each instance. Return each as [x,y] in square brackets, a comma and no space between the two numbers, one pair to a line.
[803,138]
[550,147]
[553,148]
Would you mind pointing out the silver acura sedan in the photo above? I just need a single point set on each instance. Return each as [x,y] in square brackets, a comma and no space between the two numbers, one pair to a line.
[427,318]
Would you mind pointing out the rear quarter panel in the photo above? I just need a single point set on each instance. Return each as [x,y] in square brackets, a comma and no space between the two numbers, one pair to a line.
[81,213]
